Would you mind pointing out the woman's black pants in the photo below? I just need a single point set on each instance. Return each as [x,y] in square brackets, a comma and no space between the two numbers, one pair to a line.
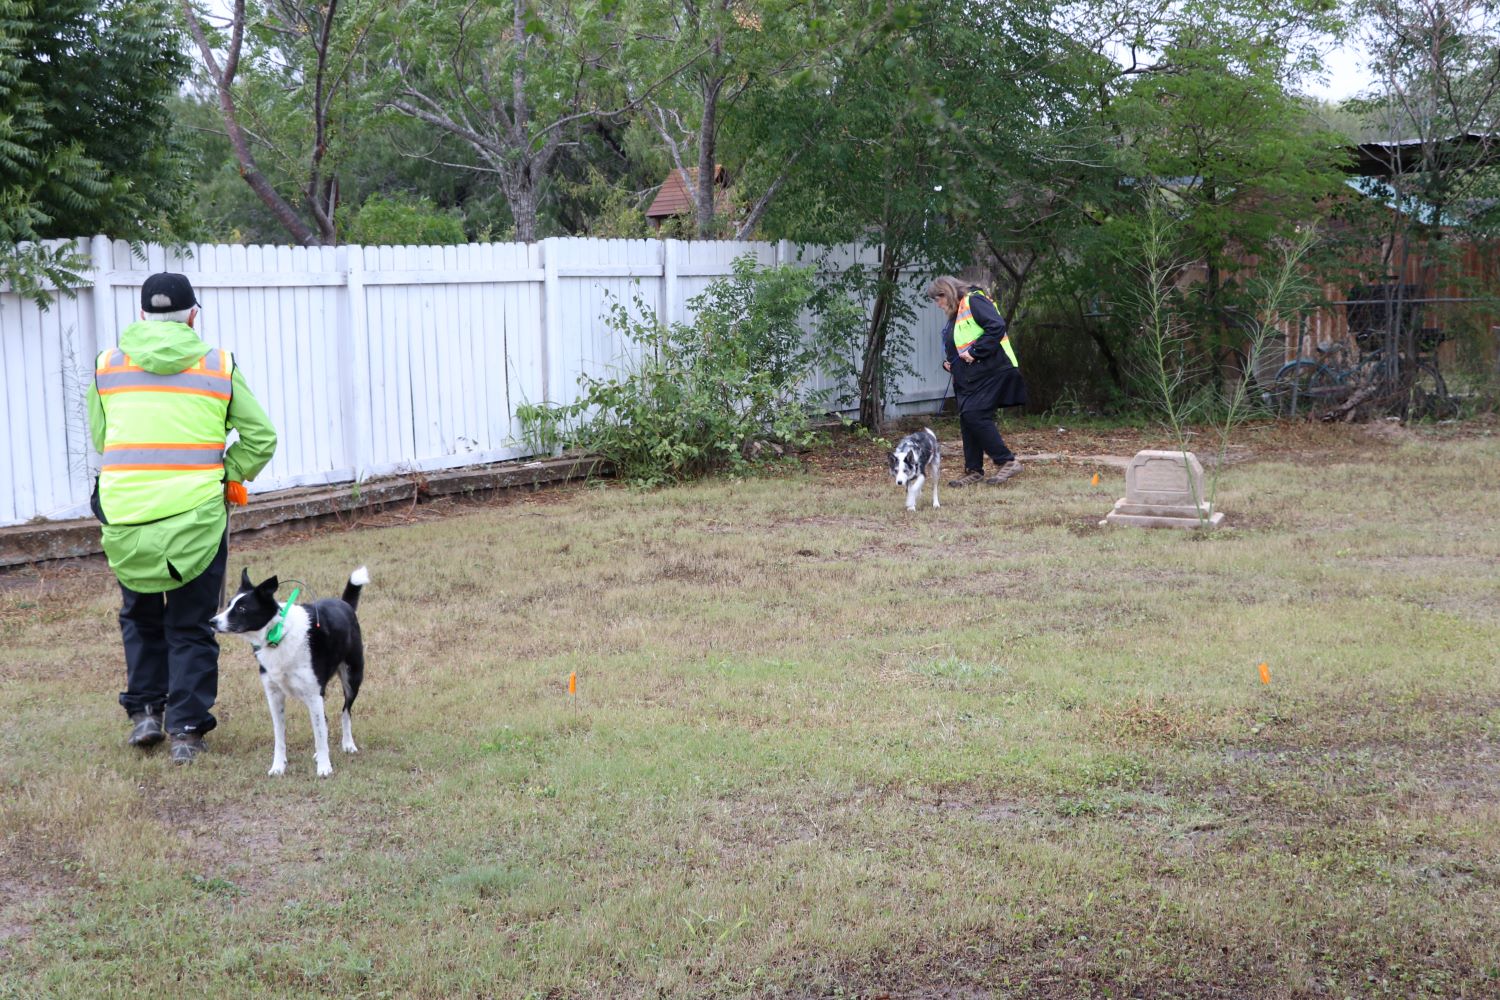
[981,438]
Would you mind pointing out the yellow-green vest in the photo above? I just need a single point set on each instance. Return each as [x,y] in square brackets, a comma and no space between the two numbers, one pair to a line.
[966,330]
[163,436]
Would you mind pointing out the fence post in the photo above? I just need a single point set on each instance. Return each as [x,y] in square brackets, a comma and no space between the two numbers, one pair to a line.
[102,254]
[551,322]
[92,337]
[354,354]
[669,266]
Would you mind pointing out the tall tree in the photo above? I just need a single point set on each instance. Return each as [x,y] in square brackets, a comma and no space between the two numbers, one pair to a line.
[283,71]
[1200,109]
[873,170]
[1437,90]
[1437,101]
[1222,132]
[706,58]
[511,81]
[86,136]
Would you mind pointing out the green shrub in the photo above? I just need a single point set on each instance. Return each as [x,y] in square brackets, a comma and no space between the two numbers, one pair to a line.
[383,221]
[701,397]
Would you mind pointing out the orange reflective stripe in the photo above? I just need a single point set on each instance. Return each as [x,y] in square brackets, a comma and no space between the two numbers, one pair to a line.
[157,467]
[205,445]
[198,379]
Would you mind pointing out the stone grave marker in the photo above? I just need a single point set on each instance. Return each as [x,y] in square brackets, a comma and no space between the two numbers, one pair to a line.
[1164,489]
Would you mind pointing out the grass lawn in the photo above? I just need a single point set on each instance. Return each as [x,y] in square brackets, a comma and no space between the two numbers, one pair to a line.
[820,747]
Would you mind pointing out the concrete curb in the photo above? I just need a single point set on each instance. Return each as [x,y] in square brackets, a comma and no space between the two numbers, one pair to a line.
[47,540]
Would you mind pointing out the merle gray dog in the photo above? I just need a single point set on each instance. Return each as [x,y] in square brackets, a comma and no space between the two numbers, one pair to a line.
[916,458]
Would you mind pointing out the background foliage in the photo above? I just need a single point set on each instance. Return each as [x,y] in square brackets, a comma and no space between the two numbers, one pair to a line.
[720,393]
[1015,138]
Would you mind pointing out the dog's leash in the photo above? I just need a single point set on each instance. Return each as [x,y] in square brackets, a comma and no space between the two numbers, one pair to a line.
[224,577]
[939,411]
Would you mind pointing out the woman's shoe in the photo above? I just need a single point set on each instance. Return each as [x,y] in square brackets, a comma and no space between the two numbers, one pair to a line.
[1009,470]
[967,479]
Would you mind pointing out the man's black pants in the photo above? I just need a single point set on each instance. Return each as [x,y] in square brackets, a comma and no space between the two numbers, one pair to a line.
[981,437]
[171,655]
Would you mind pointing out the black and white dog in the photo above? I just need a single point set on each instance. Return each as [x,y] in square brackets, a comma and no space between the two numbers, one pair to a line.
[916,458]
[313,643]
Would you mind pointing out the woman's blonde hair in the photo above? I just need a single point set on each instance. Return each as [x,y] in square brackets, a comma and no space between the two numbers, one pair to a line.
[950,287]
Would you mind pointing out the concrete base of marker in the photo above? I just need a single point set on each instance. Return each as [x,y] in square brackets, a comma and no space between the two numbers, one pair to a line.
[1140,516]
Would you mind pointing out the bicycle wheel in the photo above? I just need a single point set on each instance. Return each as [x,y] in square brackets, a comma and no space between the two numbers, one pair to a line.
[1429,399]
[1303,388]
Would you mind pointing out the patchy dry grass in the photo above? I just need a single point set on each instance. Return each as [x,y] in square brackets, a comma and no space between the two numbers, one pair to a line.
[821,747]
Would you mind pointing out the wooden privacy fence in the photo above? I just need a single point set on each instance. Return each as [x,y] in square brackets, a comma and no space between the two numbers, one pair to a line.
[371,360]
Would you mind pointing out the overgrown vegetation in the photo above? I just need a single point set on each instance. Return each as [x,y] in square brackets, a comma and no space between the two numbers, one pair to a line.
[727,389]
[1188,384]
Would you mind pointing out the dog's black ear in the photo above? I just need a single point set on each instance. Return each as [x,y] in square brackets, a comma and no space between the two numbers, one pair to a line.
[270,585]
[245,583]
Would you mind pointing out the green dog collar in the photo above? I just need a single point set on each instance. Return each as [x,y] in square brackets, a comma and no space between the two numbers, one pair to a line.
[274,636]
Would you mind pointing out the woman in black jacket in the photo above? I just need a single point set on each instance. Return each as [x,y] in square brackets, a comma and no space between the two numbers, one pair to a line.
[985,376]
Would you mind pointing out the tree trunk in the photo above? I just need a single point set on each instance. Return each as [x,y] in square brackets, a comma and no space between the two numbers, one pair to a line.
[872,368]
[223,77]
[523,208]
[707,133]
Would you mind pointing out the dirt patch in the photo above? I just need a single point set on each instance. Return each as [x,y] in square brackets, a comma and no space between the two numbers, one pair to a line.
[32,880]
[17,898]
[235,848]
[1005,812]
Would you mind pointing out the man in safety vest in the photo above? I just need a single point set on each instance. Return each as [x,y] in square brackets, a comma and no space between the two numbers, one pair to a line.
[160,410]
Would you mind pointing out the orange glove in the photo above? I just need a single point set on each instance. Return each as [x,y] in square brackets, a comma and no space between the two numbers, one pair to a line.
[236,493]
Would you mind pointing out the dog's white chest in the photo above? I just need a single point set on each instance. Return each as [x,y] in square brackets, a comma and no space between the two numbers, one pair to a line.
[288,664]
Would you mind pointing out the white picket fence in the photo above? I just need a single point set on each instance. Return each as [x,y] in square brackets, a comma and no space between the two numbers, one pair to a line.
[369,360]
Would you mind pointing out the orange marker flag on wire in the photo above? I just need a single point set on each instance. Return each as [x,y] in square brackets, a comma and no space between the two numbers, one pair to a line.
[1265,673]
[1095,480]
[573,682]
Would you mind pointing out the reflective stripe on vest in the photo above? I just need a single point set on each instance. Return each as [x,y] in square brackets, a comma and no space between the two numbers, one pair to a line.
[163,436]
[120,457]
[208,377]
[966,330]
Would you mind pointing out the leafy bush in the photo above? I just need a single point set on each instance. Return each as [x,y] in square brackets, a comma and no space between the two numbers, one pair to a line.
[705,396]
[383,221]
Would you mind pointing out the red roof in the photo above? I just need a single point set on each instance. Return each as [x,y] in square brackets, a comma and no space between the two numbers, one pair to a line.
[676,195]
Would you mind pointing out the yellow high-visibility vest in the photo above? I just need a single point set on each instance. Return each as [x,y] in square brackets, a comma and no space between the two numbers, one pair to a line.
[163,436]
[966,330]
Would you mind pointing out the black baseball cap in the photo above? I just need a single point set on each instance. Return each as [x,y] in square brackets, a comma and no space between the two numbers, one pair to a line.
[167,292]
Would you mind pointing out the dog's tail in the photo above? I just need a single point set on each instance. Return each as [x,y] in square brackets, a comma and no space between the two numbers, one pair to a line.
[357,581]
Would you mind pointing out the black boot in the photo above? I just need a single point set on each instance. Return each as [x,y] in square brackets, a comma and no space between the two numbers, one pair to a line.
[146,730]
[186,746]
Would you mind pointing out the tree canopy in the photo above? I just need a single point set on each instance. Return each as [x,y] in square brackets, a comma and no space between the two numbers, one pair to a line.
[87,143]
[1023,138]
